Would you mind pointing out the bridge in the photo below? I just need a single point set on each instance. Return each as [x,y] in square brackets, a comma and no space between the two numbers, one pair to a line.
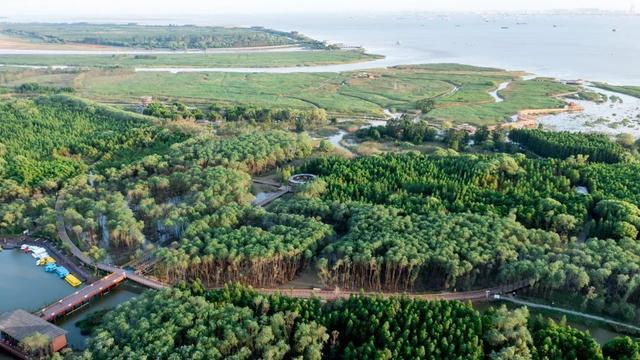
[82,296]
[270,197]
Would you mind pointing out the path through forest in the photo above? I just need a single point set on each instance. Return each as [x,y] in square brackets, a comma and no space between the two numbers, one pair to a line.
[566,311]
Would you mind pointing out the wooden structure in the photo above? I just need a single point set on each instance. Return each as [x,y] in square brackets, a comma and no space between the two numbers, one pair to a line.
[82,296]
[18,325]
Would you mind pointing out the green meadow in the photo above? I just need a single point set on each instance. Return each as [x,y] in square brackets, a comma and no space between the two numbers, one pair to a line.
[460,92]
[244,59]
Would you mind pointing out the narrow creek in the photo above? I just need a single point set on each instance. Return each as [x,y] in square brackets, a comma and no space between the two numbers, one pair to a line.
[336,139]
[495,93]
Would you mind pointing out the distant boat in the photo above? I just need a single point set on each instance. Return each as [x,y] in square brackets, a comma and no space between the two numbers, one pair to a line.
[614,30]
[504,28]
[555,26]
[398,42]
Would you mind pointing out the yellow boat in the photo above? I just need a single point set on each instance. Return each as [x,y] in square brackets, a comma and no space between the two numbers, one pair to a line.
[72,280]
[46,261]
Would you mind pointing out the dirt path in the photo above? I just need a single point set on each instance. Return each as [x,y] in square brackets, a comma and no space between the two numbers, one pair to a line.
[570,312]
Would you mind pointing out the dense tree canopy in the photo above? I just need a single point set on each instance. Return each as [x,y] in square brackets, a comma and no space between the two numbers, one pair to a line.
[539,192]
[256,247]
[52,138]
[238,323]
[599,147]
[404,129]
[385,248]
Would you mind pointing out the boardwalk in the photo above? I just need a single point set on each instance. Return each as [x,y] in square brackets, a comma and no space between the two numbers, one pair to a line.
[82,296]
[266,182]
[271,197]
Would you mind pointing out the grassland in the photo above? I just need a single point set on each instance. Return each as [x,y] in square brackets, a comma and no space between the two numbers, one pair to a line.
[346,93]
[246,59]
[628,90]
[531,94]
[461,93]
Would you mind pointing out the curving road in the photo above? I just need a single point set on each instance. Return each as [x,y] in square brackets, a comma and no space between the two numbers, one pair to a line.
[566,311]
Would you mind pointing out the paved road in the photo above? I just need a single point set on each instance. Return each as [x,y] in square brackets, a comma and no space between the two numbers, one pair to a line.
[566,311]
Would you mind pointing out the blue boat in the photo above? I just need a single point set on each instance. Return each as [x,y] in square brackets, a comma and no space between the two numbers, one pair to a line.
[52,267]
[62,272]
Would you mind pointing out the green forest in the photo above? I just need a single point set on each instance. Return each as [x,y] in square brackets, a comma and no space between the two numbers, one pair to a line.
[598,147]
[238,323]
[557,210]
[155,36]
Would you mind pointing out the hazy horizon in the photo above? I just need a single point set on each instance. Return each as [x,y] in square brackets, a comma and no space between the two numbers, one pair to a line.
[150,8]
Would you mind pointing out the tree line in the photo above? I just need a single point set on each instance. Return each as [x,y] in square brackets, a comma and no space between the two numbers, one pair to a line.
[563,144]
[295,118]
[403,129]
[237,322]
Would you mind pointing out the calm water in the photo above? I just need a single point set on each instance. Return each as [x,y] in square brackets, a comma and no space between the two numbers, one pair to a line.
[27,286]
[562,46]
[121,294]
[608,117]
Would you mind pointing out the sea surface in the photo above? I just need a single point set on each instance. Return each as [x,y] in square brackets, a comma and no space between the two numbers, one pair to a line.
[592,47]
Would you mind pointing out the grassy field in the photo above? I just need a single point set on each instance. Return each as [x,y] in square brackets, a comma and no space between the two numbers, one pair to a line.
[248,59]
[348,93]
[531,94]
[628,90]
[461,93]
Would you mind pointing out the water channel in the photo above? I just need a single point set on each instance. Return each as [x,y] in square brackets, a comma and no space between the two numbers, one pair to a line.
[27,286]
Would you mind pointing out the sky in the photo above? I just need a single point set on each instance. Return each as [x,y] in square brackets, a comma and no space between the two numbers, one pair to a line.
[172,7]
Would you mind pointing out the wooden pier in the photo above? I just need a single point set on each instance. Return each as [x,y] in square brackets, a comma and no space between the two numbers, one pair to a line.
[82,296]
